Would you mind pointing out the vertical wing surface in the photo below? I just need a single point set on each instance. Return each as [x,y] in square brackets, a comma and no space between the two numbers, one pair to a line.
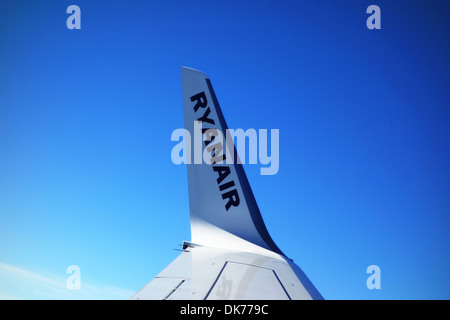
[220,196]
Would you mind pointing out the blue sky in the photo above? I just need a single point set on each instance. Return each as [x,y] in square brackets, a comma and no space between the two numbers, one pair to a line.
[86,117]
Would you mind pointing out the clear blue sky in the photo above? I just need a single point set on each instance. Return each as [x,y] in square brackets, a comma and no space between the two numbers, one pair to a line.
[86,116]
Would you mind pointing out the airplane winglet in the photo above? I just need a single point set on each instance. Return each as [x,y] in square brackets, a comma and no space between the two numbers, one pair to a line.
[219,192]
[231,254]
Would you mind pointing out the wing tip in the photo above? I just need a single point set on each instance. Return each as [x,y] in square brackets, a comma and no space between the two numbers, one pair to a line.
[192,70]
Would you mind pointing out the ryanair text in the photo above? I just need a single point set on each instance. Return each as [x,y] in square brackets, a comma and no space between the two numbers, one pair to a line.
[208,144]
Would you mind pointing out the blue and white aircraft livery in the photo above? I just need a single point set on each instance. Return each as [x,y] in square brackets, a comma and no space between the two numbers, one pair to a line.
[231,255]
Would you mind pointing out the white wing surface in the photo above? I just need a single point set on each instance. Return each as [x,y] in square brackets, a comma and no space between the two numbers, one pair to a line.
[231,254]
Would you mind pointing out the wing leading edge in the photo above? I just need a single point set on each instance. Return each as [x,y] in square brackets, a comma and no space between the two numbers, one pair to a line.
[231,254]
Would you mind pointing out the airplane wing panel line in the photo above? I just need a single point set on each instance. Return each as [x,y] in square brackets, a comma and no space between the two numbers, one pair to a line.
[174,289]
[215,281]
[281,284]
[237,279]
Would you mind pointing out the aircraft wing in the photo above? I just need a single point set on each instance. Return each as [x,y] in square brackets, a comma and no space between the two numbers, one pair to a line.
[231,254]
